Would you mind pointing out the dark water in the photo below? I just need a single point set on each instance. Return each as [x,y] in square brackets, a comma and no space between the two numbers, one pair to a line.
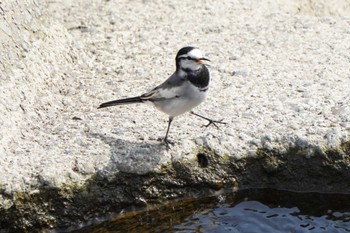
[246,211]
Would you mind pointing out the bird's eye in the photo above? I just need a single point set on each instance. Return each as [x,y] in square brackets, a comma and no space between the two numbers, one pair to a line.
[187,58]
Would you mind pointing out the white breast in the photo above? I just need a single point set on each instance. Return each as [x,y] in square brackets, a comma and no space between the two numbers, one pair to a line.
[187,97]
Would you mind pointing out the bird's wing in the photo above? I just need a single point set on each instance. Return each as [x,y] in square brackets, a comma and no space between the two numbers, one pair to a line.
[171,88]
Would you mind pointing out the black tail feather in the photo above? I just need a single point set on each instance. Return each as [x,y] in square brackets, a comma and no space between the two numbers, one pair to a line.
[121,102]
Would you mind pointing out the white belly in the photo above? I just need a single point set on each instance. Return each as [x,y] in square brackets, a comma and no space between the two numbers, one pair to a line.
[187,100]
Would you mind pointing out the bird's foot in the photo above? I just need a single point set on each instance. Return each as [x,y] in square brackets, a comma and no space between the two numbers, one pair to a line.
[167,142]
[214,122]
[211,122]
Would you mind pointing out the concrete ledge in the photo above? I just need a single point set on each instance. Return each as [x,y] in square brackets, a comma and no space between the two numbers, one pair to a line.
[100,197]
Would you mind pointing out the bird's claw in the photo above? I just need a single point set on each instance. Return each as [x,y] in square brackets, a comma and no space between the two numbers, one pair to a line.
[214,122]
[167,142]
[211,122]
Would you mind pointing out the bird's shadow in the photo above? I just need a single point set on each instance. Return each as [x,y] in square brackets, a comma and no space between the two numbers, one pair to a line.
[132,157]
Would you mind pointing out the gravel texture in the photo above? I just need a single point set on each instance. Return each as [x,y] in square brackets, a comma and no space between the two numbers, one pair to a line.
[281,79]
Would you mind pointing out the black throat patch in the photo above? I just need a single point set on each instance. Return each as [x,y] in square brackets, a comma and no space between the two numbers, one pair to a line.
[199,78]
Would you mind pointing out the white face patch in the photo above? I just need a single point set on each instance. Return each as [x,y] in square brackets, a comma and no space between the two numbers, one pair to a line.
[195,54]
[190,64]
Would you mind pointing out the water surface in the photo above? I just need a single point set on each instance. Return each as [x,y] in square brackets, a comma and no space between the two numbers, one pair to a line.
[246,211]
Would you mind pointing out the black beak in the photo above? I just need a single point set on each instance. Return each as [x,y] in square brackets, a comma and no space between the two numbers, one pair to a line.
[203,58]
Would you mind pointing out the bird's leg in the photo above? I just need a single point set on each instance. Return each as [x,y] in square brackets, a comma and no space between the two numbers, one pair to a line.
[214,122]
[166,140]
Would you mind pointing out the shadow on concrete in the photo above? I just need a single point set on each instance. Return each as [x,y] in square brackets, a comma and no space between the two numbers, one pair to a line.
[132,157]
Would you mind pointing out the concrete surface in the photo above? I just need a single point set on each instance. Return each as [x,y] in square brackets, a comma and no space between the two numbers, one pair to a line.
[281,79]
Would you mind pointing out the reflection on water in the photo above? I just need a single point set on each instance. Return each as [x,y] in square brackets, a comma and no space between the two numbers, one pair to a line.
[253,216]
[246,211]
[274,211]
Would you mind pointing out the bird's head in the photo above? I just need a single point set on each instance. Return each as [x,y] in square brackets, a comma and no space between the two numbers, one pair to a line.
[190,58]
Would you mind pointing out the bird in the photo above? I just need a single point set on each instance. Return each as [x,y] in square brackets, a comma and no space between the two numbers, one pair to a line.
[185,89]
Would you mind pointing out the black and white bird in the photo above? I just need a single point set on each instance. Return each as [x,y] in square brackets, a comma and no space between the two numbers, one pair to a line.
[181,92]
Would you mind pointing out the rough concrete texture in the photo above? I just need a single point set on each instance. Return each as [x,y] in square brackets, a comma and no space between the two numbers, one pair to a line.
[280,69]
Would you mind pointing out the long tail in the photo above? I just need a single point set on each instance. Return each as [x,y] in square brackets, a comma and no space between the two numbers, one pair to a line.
[121,102]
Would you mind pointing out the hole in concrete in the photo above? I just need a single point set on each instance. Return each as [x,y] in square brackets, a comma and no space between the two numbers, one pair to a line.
[202,160]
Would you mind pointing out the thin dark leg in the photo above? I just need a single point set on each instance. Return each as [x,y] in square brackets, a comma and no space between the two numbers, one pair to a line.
[167,142]
[210,120]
